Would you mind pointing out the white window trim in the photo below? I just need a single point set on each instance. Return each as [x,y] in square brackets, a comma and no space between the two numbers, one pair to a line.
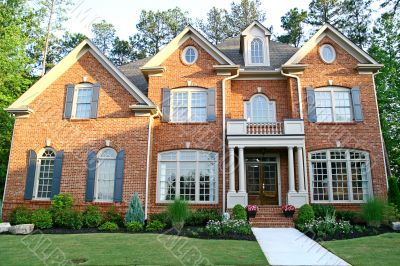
[322,56]
[328,160]
[75,99]
[249,103]
[95,196]
[183,55]
[262,51]
[189,91]
[332,90]
[37,173]
[197,177]
[265,49]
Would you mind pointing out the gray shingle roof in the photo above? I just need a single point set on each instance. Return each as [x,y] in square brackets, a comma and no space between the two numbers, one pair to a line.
[133,73]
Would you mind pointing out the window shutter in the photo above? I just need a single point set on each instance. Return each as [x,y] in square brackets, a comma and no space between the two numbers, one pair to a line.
[69,97]
[55,186]
[355,96]
[95,100]
[91,176]
[30,177]
[119,176]
[312,113]
[211,105]
[166,104]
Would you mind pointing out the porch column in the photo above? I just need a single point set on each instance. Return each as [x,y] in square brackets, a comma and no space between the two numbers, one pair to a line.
[300,170]
[291,169]
[241,170]
[232,169]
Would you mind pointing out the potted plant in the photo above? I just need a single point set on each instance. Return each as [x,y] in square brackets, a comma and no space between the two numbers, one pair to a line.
[251,211]
[288,210]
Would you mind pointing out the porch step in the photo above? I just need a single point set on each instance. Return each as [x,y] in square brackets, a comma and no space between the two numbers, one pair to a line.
[271,216]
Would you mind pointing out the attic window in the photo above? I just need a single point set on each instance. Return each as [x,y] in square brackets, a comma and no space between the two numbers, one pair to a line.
[257,56]
[189,55]
[327,53]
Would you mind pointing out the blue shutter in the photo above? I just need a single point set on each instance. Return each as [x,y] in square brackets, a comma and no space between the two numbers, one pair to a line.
[91,175]
[95,100]
[55,186]
[211,105]
[119,176]
[312,112]
[69,97]
[166,104]
[355,96]
[30,177]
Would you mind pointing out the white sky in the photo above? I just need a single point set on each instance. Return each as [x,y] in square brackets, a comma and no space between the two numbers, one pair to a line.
[124,14]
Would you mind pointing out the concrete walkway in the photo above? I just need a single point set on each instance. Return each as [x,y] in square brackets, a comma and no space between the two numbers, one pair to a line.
[288,246]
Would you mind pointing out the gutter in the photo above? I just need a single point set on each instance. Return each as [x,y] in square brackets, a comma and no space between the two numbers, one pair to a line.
[298,91]
[223,140]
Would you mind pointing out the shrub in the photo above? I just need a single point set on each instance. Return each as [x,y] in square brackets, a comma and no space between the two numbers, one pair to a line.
[201,216]
[112,215]
[108,227]
[42,219]
[239,212]
[305,215]
[62,202]
[373,211]
[390,214]
[178,212]
[162,217]
[135,227]
[68,218]
[21,215]
[135,211]
[91,217]
[227,227]
[155,226]
[321,210]
[327,227]
[346,215]
[394,192]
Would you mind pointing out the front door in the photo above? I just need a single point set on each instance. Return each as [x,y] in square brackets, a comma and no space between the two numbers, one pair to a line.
[262,180]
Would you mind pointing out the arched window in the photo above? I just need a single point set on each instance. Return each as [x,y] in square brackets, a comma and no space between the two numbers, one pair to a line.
[260,109]
[44,174]
[257,55]
[105,174]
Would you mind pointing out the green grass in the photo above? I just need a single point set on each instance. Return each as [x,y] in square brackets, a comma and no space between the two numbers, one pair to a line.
[126,249]
[372,250]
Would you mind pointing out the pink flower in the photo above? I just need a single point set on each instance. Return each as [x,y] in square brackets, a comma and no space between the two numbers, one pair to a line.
[288,208]
[251,208]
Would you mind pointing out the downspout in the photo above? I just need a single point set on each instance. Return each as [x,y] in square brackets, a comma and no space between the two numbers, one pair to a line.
[223,139]
[298,91]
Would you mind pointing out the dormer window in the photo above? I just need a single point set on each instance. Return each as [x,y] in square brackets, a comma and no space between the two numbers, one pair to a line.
[257,55]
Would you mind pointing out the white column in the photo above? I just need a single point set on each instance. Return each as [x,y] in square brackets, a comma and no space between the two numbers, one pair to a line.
[232,169]
[291,169]
[241,170]
[300,171]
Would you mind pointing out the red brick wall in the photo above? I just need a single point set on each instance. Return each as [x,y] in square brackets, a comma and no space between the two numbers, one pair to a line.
[115,122]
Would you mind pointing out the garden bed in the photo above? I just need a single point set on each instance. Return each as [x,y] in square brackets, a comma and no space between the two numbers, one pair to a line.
[369,231]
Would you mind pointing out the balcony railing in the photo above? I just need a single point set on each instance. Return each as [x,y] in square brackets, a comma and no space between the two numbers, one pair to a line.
[243,127]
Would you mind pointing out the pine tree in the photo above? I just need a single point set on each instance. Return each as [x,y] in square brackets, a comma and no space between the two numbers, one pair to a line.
[292,23]
[215,27]
[104,36]
[135,211]
[243,14]
[325,11]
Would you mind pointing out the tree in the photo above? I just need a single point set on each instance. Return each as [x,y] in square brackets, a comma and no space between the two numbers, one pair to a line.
[104,36]
[393,5]
[135,211]
[243,14]
[122,52]
[215,27]
[325,11]
[293,24]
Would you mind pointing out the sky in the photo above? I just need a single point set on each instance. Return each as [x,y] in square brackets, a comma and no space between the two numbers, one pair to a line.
[124,14]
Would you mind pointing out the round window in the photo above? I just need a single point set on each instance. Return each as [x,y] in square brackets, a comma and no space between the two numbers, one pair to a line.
[189,55]
[327,53]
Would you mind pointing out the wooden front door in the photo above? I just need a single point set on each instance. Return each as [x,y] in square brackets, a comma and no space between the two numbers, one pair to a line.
[262,180]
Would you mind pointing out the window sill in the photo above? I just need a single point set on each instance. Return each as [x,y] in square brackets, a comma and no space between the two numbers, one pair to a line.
[41,199]
[338,202]
[79,119]
[191,123]
[336,123]
[166,202]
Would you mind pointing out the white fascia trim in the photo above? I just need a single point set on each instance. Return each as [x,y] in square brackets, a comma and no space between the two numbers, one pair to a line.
[256,23]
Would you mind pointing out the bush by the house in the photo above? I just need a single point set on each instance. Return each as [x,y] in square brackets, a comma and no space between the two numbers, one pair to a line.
[134,227]
[201,216]
[162,217]
[113,215]
[178,212]
[346,215]
[135,211]
[92,217]
[108,227]
[155,226]
[21,215]
[305,214]
[68,218]
[373,212]
[390,214]
[227,227]
[394,192]
[62,202]
[321,210]
[239,212]
[42,219]
[327,227]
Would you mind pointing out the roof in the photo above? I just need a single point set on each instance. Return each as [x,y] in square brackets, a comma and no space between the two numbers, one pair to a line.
[134,74]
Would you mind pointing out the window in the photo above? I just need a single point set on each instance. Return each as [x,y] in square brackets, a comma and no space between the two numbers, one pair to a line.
[259,109]
[187,174]
[82,101]
[44,174]
[327,53]
[189,105]
[333,105]
[189,55]
[105,175]
[340,175]
[257,56]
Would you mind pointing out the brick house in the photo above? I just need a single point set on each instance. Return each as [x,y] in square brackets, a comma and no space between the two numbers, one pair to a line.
[249,121]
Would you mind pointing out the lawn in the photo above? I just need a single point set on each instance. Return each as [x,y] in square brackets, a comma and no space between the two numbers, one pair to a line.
[126,249]
[371,250]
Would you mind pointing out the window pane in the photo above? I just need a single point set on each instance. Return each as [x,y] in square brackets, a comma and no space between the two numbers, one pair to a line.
[187,155]
[320,180]
[259,107]
[180,106]
[45,176]
[342,106]
[187,181]
[323,104]
[257,51]
[190,55]
[168,156]
[318,155]
[83,103]
[359,180]
[207,181]
[167,180]
[199,106]
[105,179]
[339,181]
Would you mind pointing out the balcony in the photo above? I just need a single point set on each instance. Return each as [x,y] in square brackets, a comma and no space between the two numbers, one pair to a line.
[241,127]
